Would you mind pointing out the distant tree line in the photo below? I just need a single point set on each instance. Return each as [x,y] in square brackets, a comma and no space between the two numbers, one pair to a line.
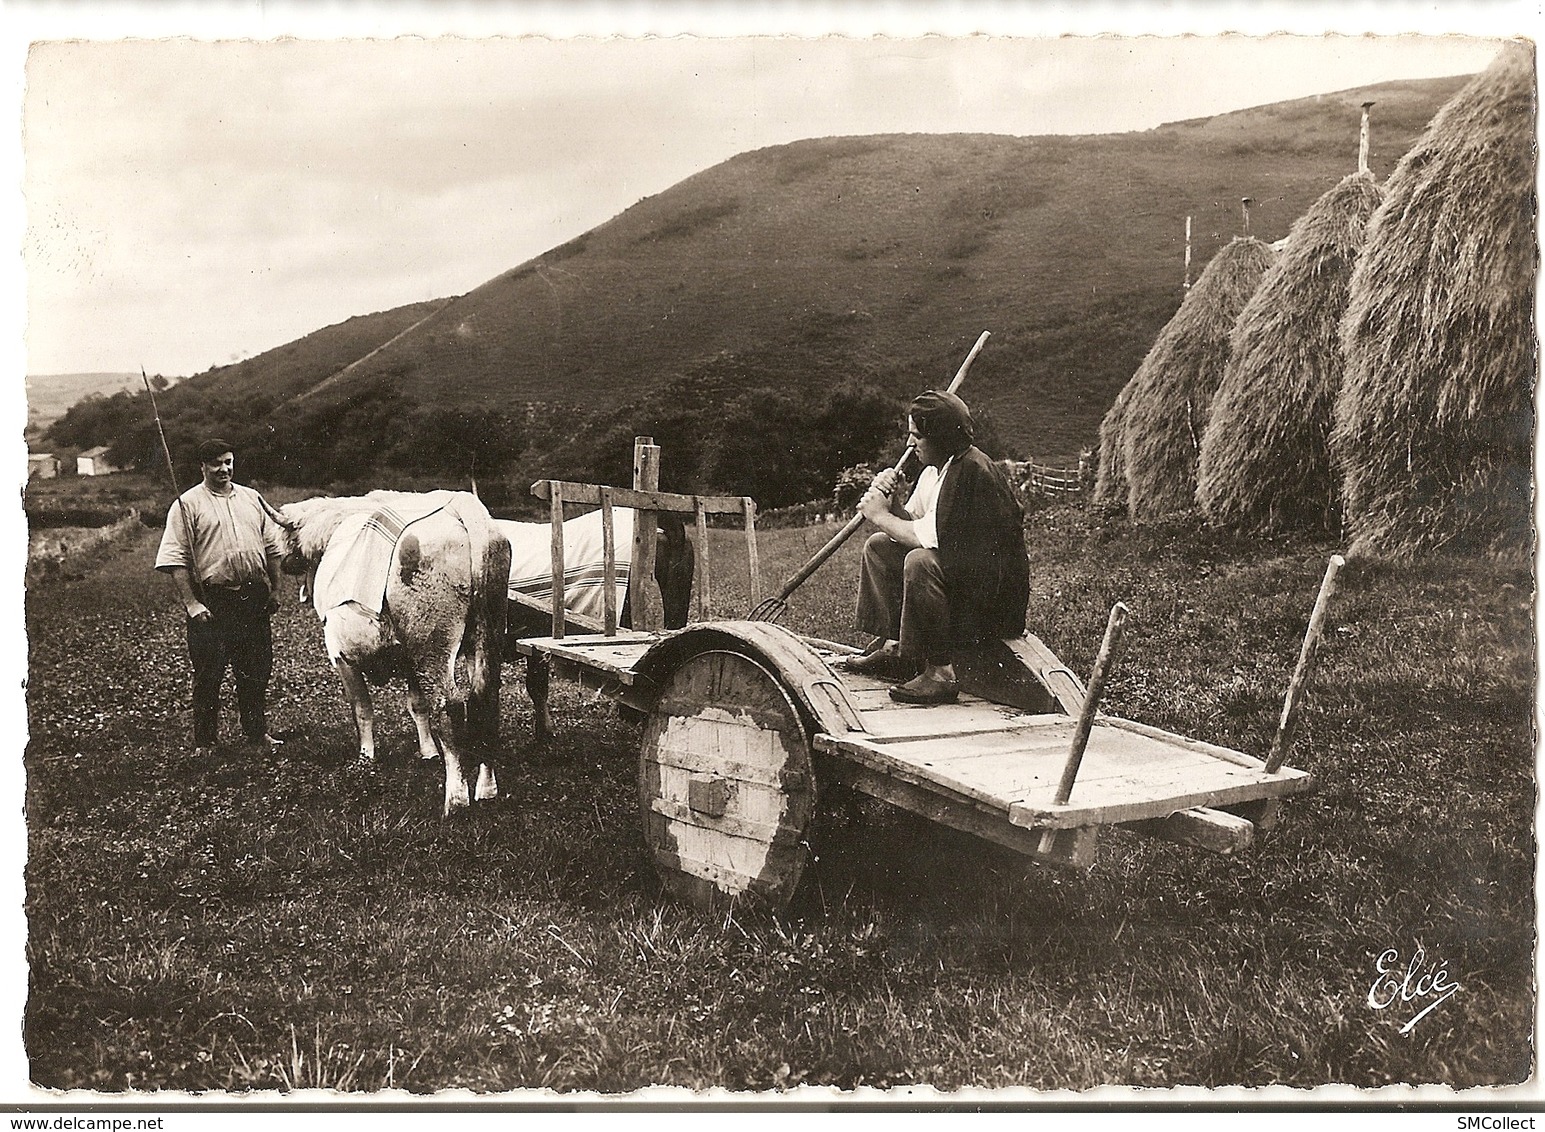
[367,437]
[778,427]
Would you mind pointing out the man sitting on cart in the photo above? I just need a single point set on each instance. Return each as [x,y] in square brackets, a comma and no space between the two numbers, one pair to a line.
[948,567]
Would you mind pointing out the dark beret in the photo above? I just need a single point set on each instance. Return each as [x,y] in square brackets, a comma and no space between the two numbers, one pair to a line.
[213,448]
[943,417]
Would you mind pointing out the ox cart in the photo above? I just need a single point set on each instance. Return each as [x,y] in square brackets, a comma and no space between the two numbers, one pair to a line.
[747,722]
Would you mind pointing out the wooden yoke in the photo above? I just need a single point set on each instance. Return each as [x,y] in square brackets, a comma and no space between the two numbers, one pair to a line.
[647,502]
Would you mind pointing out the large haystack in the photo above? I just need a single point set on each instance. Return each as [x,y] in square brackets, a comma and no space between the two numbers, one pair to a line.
[1433,431]
[1110,483]
[1265,459]
[1170,395]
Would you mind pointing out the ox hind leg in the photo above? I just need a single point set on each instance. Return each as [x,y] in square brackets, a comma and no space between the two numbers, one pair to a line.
[357,692]
[456,740]
[421,707]
[480,747]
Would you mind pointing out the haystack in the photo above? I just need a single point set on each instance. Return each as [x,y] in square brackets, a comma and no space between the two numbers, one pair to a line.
[1170,395]
[1265,459]
[1433,429]
[1110,483]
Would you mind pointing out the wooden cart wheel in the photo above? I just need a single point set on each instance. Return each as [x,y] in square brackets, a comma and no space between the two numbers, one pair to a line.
[725,783]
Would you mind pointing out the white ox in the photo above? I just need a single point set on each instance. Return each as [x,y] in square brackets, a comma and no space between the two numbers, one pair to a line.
[406,584]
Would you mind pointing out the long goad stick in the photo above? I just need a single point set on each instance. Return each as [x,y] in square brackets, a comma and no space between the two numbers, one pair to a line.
[187,528]
[1287,726]
[772,608]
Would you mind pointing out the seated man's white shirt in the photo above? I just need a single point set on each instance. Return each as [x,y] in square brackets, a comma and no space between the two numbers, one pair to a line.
[922,504]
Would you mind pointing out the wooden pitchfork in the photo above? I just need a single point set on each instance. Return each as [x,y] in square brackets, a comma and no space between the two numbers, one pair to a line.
[772,608]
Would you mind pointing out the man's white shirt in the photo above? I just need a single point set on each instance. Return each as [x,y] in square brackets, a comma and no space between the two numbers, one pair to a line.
[923,502]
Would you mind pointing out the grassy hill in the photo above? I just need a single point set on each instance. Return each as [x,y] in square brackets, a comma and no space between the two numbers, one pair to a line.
[50,395]
[905,247]
[277,375]
[875,260]
[230,400]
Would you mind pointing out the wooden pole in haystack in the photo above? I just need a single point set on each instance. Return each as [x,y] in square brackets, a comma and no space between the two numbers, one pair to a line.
[1187,285]
[1264,461]
[1244,204]
[1362,144]
[1289,721]
[1433,436]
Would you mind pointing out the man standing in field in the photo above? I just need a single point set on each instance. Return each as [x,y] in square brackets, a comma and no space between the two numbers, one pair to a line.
[947,568]
[222,548]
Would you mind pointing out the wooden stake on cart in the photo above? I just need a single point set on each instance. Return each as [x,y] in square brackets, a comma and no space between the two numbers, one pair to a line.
[646,477]
[754,567]
[1289,721]
[556,511]
[608,566]
[704,599]
[1102,665]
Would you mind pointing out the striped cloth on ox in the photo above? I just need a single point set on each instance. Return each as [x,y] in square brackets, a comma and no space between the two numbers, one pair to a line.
[359,553]
[531,560]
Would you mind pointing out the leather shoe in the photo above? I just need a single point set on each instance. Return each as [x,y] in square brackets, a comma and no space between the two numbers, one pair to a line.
[926,689]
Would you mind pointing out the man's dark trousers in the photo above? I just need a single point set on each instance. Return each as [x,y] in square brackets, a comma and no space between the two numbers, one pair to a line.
[236,636]
[901,597]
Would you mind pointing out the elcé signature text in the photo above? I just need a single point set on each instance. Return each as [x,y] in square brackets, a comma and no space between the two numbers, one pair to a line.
[1412,983]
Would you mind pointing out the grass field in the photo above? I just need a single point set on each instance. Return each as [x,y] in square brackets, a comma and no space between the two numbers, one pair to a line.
[279,922]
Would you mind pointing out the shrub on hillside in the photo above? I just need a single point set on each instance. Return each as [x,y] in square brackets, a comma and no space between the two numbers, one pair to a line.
[772,425]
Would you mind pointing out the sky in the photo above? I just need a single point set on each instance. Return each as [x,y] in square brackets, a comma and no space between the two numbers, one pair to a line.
[189,203]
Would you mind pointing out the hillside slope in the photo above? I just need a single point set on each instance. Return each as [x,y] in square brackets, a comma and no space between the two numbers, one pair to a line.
[824,279]
[227,400]
[904,247]
[50,395]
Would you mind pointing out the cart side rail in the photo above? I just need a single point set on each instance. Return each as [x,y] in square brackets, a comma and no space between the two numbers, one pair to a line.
[648,501]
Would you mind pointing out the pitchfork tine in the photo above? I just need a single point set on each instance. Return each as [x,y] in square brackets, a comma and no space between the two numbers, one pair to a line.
[768,609]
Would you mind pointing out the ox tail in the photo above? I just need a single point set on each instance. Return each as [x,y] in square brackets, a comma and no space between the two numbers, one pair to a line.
[483,641]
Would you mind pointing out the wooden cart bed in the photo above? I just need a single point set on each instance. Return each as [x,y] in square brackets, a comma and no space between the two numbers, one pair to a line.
[746,718]
[984,763]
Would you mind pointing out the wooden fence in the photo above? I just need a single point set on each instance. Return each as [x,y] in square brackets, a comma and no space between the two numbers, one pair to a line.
[1046,479]
[1027,476]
